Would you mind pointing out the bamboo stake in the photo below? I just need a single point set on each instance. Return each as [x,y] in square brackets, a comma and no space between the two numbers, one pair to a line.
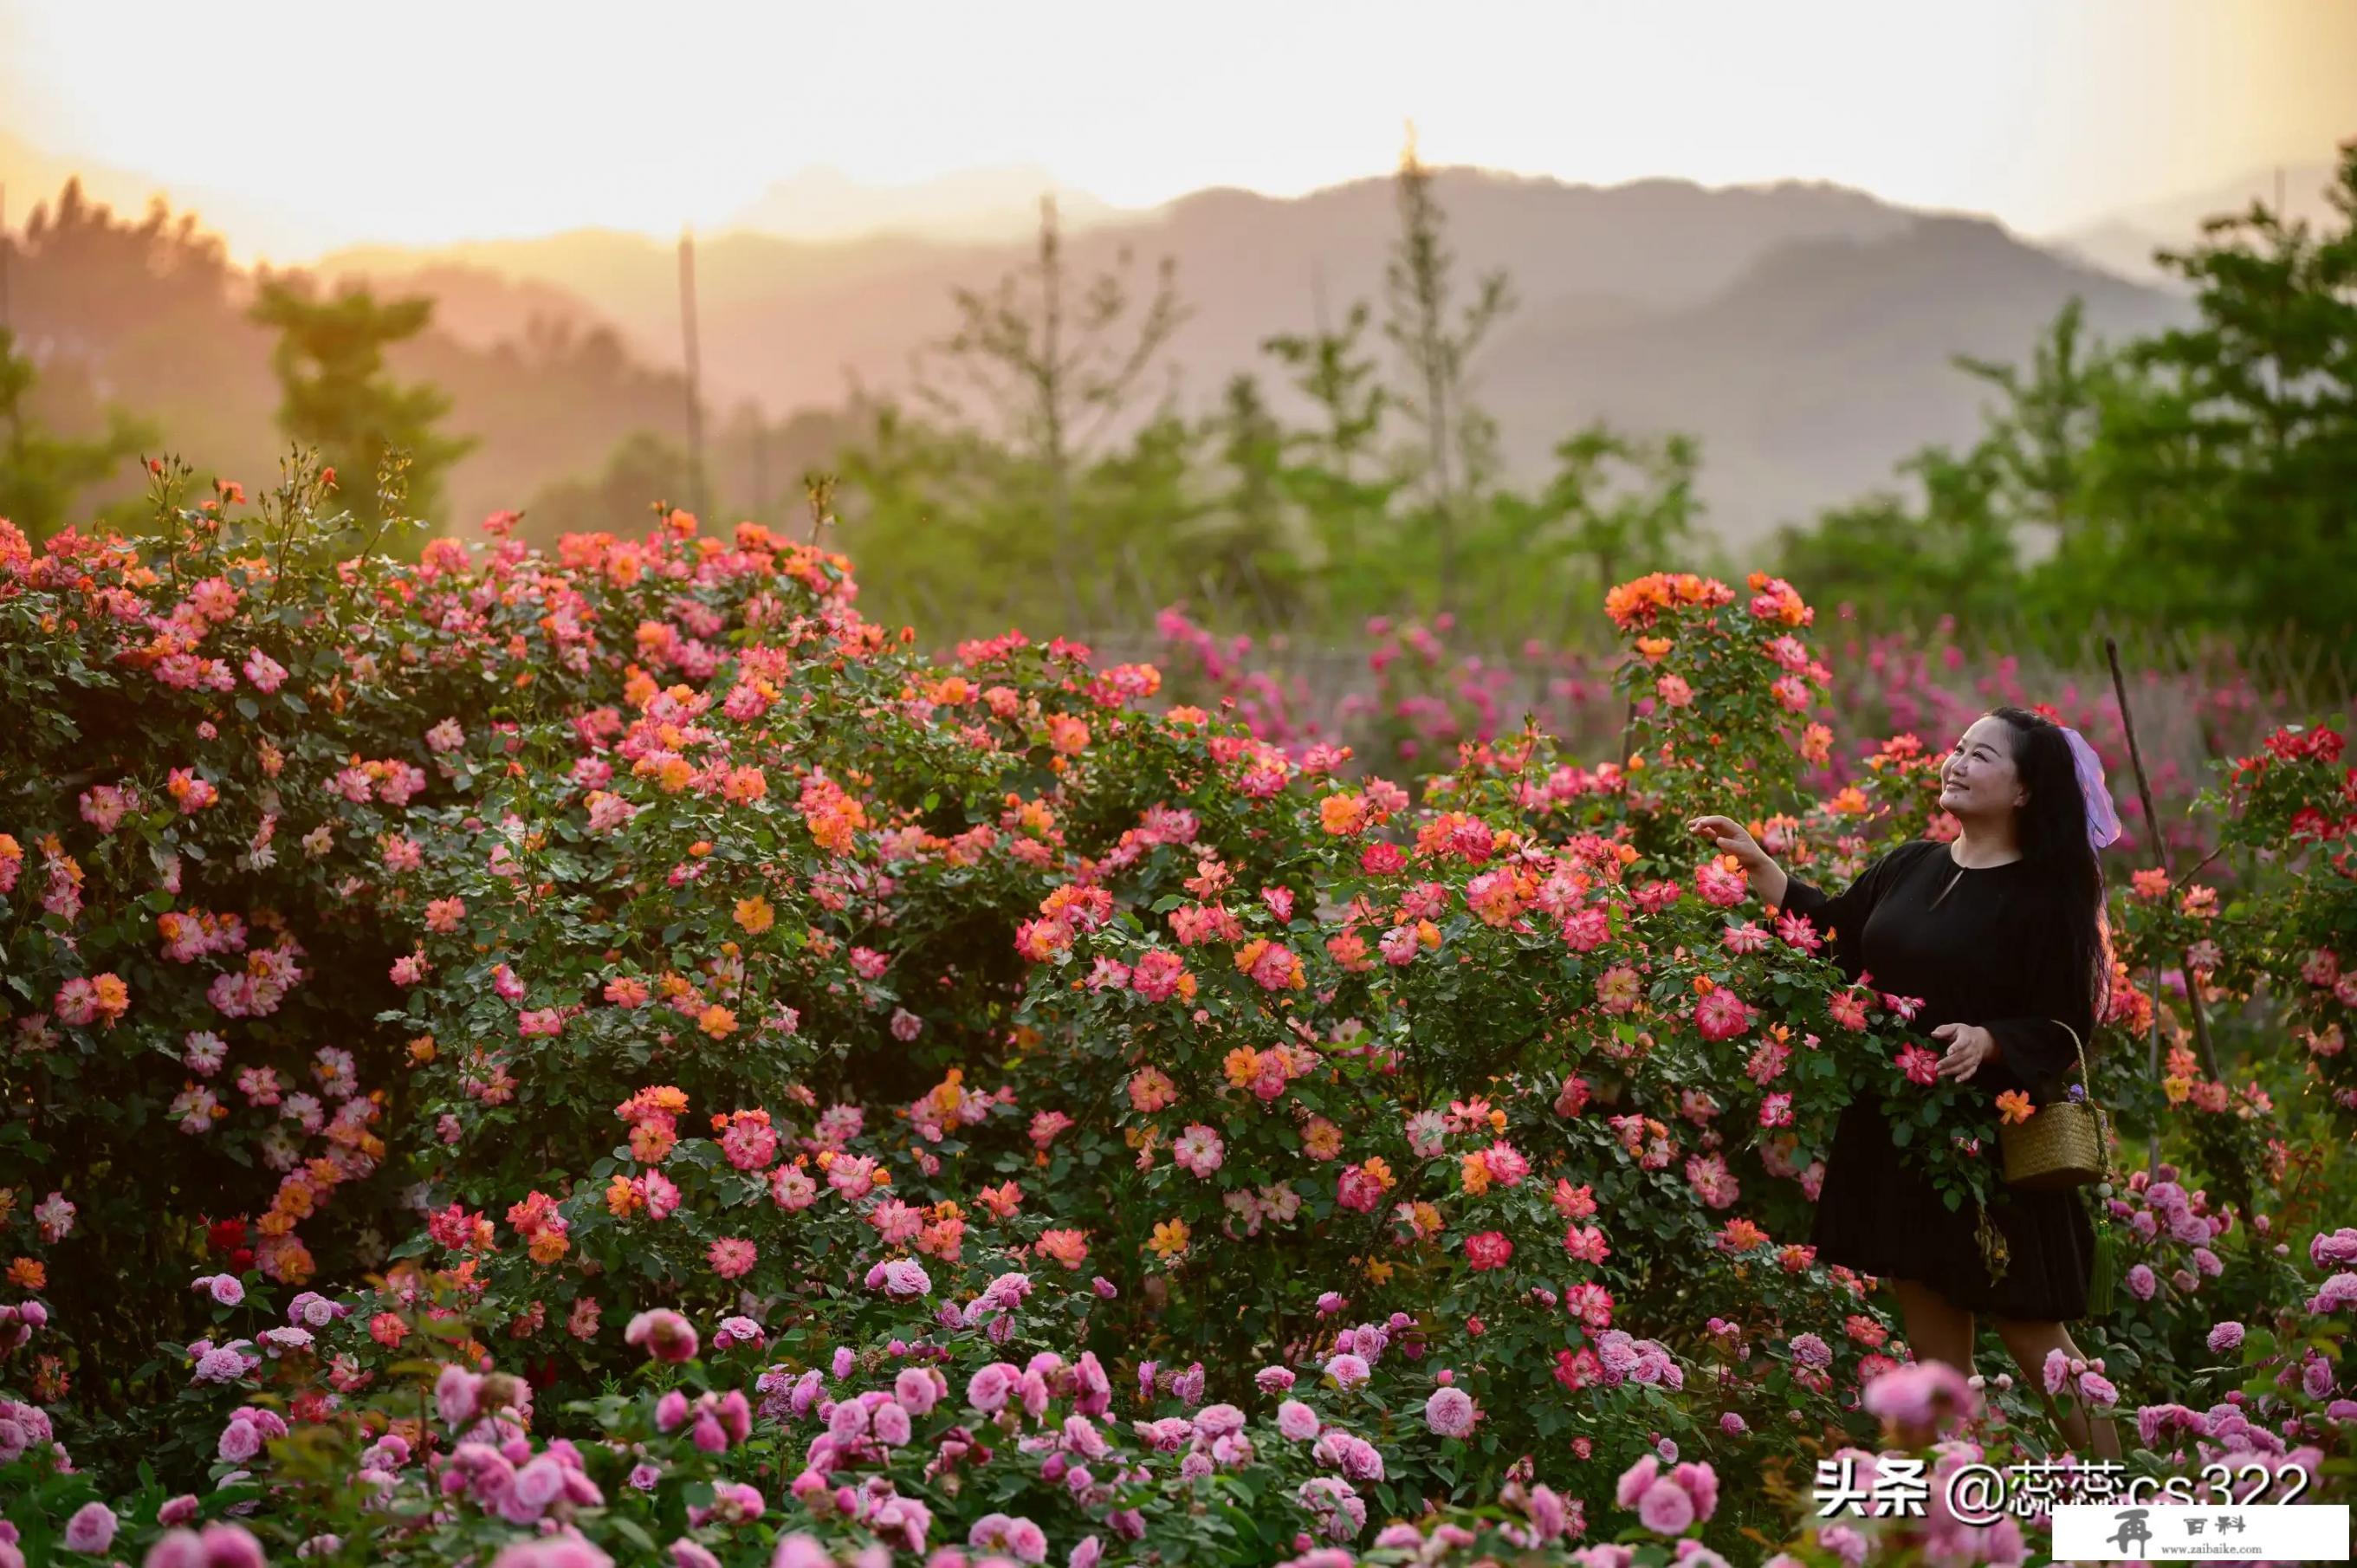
[2160,844]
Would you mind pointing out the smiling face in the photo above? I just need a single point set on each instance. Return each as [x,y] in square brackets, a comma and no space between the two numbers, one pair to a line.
[1979,778]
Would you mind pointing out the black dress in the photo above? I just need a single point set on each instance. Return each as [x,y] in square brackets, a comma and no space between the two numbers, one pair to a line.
[1991,952]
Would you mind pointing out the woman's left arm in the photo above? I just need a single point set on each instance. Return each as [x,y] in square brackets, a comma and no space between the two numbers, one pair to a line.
[2032,1045]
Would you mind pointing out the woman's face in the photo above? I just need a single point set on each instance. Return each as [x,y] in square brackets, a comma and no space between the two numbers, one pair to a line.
[1979,779]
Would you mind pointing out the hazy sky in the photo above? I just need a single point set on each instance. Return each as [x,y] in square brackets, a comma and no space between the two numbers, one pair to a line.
[431,121]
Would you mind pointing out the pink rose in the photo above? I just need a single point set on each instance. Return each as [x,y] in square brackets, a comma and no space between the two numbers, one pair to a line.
[915,1391]
[92,1529]
[1665,1509]
[239,1441]
[1449,1412]
[667,1336]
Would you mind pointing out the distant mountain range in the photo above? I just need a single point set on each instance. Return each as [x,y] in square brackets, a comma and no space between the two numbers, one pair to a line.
[1804,332]
[2124,242]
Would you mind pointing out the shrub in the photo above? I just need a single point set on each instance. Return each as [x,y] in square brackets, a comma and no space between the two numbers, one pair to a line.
[623,1045]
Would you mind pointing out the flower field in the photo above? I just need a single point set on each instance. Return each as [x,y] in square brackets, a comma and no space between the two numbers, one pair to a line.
[618,1058]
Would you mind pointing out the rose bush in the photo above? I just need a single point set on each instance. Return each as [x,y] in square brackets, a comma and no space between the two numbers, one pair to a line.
[616,1055]
[1417,694]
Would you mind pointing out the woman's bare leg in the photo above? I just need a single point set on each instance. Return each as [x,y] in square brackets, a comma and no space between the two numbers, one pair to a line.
[1937,1330]
[2029,1344]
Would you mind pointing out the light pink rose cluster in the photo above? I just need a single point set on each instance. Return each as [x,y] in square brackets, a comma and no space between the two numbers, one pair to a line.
[221,1545]
[517,1485]
[719,1419]
[1668,1502]
[249,1430]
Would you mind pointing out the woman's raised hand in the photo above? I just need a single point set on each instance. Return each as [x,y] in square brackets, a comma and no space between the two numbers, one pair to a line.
[1969,1048]
[1727,836]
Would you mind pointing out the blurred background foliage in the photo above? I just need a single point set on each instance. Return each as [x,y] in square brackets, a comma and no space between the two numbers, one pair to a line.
[1037,468]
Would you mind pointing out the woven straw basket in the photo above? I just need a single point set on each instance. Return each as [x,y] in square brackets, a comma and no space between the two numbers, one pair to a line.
[2062,1145]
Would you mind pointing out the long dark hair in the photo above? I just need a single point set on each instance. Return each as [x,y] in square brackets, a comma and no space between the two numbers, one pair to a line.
[2052,828]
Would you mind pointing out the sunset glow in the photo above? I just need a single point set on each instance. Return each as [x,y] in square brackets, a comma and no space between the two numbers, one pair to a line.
[452,120]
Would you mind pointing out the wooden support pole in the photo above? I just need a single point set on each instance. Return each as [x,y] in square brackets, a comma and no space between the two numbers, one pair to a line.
[694,375]
[2152,1135]
[2209,1052]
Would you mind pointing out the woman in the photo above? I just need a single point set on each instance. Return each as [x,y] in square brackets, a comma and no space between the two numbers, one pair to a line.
[2000,934]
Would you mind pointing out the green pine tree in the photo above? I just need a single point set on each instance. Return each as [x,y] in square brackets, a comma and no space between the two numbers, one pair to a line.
[337,397]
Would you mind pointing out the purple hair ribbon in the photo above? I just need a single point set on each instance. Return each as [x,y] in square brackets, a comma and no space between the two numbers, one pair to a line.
[2103,822]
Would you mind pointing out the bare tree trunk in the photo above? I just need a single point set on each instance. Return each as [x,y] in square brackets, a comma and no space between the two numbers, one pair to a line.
[696,495]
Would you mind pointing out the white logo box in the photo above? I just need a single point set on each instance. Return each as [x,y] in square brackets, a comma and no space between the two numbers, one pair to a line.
[2183,1533]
